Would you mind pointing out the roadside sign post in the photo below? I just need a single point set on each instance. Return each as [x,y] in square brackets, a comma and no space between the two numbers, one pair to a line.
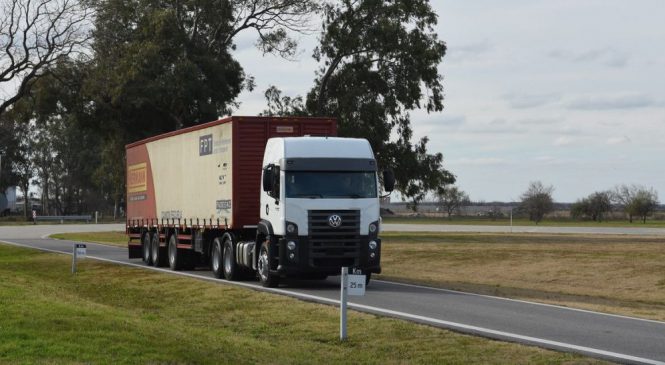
[78,252]
[342,304]
[350,285]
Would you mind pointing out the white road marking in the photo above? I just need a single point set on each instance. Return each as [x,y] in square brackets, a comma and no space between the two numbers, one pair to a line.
[422,319]
[522,301]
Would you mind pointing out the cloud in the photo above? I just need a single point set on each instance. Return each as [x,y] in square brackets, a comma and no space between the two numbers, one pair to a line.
[468,51]
[540,121]
[618,140]
[481,161]
[563,141]
[632,101]
[524,101]
[445,121]
[607,56]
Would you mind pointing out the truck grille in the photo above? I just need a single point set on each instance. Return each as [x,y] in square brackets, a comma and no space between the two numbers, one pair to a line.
[334,246]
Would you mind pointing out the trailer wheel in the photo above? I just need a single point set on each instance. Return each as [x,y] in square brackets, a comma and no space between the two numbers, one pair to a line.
[176,256]
[216,258]
[267,279]
[145,248]
[231,269]
[158,254]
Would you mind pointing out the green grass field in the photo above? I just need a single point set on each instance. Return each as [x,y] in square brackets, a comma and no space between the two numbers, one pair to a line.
[115,314]
[522,222]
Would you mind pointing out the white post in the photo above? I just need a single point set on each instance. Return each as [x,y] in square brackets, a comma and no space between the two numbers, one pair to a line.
[342,303]
[74,260]
[96,215]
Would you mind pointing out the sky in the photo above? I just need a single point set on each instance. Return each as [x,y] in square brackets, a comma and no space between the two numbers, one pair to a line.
[570,93]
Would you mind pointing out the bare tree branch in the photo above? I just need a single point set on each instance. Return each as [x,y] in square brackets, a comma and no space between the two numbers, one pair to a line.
[272,20]
[34,35]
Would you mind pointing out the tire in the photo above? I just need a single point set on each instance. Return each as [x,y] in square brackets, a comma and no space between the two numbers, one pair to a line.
[231,269]
[158,254]
[267,279]
[216,261]
[145,248]
[176,256]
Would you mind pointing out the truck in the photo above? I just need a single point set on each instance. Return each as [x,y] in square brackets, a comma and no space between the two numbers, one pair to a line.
[266,197]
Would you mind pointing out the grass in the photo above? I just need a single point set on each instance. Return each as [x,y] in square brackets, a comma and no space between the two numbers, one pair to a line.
[610,273]
[522,222]
[115,238]
[115,314]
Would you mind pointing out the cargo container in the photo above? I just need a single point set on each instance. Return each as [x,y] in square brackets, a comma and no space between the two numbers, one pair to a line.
[305,205]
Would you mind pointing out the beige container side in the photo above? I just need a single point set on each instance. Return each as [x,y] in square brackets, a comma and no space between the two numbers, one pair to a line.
[192,174]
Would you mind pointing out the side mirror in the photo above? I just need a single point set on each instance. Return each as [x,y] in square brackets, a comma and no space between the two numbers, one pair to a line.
[274,192]
[388,180]
[267,179]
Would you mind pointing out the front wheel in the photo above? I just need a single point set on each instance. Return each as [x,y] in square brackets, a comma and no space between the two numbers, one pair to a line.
[267,279]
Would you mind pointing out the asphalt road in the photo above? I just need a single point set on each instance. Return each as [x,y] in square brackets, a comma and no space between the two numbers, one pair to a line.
[616,338]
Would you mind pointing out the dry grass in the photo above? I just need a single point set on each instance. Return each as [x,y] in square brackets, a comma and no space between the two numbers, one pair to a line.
[620,274]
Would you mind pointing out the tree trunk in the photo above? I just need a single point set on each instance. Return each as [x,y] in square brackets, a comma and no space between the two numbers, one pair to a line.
[26,199]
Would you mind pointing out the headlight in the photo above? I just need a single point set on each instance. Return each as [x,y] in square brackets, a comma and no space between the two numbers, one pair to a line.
[372,255]
[291,245]
[292,256]
[372,245]
[372,228]
[290,228]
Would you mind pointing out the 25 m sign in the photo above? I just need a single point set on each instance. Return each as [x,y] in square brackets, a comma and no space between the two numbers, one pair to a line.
[205,145]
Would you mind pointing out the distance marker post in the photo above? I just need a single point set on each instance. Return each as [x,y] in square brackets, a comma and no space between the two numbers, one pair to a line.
[79,251]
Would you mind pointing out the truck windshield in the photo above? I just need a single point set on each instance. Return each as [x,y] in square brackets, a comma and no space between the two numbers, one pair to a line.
[330,184]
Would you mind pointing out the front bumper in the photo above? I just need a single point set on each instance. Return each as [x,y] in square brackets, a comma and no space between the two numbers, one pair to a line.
[320,260]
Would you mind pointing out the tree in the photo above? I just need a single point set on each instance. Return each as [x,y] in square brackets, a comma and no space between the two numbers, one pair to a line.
[537,201]
[34,35]
[279,105]
[595,206]
[20,157]
[636,200]
[451,198]
[379,60]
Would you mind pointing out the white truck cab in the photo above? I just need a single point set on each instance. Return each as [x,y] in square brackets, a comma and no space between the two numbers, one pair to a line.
[319,208]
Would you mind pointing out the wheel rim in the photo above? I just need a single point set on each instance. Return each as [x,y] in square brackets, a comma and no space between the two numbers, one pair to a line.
[155,250]
[172,253]
[215,258]
[146,250]
[227,259]
[263,265]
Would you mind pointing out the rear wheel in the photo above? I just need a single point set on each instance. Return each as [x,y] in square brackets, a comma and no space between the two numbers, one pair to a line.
[231,269]
[216,258]
[176,256]
[145,248]
[267,279]
[157,253]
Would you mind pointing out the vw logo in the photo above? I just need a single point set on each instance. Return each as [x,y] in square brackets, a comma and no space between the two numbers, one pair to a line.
[334,221]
